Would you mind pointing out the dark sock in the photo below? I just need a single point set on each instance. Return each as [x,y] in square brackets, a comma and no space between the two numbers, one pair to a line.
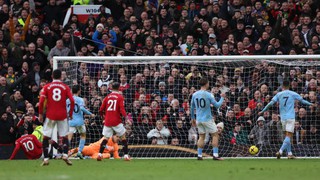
[125,146]
[45,147]
[103,146]
[65,145]
[51,152]
[57,147]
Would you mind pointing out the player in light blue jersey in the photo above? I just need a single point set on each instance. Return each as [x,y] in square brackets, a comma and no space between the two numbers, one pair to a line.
[201,102]
[77,121]
[286,100]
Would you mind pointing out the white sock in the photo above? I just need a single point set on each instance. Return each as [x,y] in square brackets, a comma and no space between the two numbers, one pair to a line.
[290,153]
[280,151]
[46,159]
[65,155]
[199,155]
[215,155]
[99,154]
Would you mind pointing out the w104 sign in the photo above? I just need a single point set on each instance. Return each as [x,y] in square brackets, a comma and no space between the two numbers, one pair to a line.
[84,11]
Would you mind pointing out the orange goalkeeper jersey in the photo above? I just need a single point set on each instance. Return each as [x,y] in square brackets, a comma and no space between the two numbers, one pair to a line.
[94,148]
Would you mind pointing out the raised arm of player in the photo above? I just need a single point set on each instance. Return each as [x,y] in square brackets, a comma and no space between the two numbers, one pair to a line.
[273,100]
[84,110]
[300,99]
[267,107]
[214,102]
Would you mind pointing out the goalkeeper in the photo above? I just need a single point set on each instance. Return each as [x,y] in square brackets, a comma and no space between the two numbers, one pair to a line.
[92,150]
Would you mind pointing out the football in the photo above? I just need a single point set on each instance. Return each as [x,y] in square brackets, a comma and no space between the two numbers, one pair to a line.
[253,150]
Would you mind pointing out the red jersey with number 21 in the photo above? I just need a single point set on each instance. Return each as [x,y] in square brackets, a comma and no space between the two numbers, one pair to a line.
[56,94]
[113,105]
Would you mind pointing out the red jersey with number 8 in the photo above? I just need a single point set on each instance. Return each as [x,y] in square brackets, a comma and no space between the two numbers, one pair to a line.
[113,105]
[56,93]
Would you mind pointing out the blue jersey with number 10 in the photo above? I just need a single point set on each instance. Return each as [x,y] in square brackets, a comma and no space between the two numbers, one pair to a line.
[78,111]
[201,101]
[286,101]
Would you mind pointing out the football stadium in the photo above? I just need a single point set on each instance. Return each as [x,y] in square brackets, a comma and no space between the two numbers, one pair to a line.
[159,89]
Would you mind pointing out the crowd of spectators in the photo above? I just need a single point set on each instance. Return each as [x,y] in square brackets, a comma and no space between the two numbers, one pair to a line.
[158,95]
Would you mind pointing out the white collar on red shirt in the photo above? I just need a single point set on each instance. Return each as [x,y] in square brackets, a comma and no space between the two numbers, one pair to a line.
[56,80]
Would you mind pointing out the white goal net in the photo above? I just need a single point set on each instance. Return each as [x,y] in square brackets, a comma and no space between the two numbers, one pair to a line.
[158,90]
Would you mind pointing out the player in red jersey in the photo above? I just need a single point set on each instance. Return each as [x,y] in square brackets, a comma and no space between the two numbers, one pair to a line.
[30,145]
[113,106]
[55,94]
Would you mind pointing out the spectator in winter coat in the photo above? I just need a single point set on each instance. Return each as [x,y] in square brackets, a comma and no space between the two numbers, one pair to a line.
[159,134]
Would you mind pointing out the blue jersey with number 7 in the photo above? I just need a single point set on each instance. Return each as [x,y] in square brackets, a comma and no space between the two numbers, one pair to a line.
[286,100]
[202,101]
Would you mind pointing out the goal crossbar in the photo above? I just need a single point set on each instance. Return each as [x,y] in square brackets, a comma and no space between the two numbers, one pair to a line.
[179,58]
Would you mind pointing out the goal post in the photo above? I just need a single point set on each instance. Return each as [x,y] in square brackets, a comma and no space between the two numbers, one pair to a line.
[157,90]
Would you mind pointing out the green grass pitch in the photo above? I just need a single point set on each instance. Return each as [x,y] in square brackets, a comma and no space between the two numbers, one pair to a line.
[163,169]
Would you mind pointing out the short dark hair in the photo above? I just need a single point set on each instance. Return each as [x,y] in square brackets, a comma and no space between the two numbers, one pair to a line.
[75,89]
[115,86]
[286,83]
[203,81]
[56,74]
